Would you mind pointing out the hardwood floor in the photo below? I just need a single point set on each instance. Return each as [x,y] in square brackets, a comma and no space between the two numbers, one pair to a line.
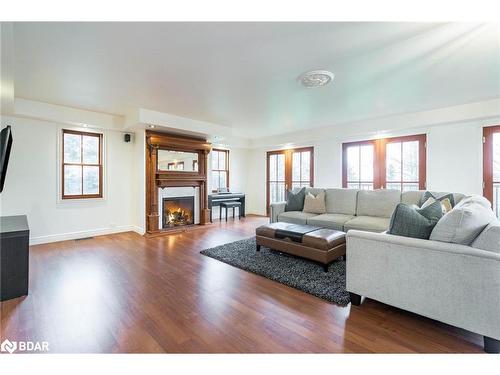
[127,293]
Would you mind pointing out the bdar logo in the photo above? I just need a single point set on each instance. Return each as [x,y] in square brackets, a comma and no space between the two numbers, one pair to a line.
[8,346]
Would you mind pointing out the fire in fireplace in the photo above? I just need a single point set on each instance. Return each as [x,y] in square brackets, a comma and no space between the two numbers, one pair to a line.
[178,211]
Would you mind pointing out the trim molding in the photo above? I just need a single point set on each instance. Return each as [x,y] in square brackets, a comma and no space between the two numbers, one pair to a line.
[84,233]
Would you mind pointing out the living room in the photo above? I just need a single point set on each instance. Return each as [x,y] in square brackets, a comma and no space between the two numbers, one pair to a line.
[321,187]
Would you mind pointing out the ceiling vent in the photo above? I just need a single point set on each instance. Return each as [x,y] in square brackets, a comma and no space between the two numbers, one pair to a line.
[316,78]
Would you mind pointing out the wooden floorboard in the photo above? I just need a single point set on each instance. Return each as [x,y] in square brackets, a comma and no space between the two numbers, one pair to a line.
[127,293]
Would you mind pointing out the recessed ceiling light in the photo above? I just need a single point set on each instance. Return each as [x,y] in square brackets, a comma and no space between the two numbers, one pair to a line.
[151,126]
[316,78]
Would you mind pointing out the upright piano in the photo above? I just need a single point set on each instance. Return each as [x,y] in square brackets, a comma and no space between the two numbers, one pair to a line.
[216,199]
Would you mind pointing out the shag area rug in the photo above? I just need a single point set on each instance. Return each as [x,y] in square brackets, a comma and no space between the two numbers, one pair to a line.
[287,269]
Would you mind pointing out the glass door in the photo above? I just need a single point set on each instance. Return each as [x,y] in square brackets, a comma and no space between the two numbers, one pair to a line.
[491,166]
[385,163]
[301,168]
[359,165]
[405,163]
[276,177]
[288,169]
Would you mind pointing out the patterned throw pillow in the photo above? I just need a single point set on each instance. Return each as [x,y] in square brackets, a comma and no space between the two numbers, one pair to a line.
[428,195]
[411,221]
[445,204]
[315,204]
[295,201]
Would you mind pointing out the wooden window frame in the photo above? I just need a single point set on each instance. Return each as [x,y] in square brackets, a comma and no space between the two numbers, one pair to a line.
[488,132]
[288,167]
[81,164]
[221,170]
[376,176]
[379,159]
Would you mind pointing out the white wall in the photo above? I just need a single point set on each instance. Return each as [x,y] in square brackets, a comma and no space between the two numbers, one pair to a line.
[32,181]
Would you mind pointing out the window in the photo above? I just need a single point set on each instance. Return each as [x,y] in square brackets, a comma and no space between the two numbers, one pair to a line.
[391,163]
[220,169]
[81,165]
[176,166]
[491,166]
[288,169]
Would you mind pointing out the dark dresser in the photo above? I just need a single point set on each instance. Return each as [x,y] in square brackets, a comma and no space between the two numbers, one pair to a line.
[14,256]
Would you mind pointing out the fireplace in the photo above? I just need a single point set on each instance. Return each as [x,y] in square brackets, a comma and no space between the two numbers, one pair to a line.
[178,211]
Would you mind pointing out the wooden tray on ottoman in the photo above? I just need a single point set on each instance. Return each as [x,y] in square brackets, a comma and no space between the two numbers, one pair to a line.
[318,244]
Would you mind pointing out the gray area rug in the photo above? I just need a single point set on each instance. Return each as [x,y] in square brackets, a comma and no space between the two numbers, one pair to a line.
[293,271]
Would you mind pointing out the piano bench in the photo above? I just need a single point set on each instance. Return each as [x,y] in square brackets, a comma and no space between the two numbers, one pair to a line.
[232,205]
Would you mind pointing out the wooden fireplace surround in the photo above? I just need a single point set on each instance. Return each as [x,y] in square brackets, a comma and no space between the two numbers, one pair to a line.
[160,179]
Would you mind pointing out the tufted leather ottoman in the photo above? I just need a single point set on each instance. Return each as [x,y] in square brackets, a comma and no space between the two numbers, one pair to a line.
[318,244]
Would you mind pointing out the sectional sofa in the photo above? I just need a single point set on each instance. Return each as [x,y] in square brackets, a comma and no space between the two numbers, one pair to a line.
[453,283]
[346,209]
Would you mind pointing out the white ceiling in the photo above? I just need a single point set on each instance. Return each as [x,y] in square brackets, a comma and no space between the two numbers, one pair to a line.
[243,75]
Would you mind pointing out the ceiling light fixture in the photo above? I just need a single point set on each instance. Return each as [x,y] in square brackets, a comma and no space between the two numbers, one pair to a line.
[151,126]
[316,78]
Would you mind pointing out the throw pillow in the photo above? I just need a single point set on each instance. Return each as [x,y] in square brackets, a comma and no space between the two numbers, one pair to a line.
[437,197]
[445,204]
[475,199]
[464,223]
[411,221]
[489,239]
[315,204]
[295,201]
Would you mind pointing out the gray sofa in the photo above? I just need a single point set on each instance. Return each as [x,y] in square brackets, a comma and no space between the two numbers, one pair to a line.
[448,282]
[452,283]
[346,209]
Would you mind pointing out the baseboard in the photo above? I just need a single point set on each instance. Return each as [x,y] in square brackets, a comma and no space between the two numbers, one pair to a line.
[84,233]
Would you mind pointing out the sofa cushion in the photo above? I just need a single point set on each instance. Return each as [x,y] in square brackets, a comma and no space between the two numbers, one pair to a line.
[464,223]
[378,203]
[489,238]
[341,201]
[295,200]
[331,221]
[368,223]
[314,204]
[296,217]
[412,197]
[411,221]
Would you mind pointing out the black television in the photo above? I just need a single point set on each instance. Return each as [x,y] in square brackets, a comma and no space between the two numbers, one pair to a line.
[5,146]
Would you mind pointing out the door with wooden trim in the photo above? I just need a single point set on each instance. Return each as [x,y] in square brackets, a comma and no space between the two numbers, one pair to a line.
[288,169]
[491,166]
[391,163]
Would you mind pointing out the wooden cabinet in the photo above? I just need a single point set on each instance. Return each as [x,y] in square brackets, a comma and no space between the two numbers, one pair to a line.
[14,257]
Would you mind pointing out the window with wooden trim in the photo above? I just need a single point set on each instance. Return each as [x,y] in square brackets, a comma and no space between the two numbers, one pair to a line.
[81,168]
[491,166]
[392,163]
[220,169]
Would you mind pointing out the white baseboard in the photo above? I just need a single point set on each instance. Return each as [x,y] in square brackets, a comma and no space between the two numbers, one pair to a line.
[85,233]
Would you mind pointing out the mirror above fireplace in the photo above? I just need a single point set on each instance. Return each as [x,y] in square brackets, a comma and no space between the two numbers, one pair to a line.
[179,161]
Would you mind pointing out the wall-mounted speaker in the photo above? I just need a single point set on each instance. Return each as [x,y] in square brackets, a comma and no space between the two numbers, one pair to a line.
[126,137]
